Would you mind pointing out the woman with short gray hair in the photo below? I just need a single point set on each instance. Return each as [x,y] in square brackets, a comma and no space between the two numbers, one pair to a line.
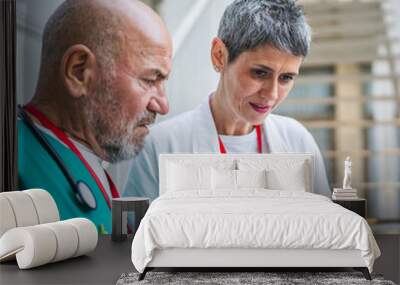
[247,25]
[258,52]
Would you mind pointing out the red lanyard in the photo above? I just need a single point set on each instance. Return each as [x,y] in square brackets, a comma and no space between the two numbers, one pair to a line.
[222,148]
[63,137]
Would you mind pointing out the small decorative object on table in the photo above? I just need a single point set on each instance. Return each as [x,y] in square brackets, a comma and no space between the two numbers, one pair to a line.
[347,196]
[346,192]
[120,209]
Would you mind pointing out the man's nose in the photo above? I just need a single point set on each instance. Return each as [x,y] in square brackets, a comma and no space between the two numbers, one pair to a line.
[159,103]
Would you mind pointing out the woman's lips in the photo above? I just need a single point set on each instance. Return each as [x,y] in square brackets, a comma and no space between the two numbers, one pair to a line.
[260,108]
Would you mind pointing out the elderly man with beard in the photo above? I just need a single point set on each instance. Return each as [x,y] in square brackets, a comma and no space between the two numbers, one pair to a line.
[102,71]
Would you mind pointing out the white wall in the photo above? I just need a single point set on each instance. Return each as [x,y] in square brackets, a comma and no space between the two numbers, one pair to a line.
[192,77]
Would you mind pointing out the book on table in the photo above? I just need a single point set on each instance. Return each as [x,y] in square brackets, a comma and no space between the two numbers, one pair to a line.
[344,197]
[344,194]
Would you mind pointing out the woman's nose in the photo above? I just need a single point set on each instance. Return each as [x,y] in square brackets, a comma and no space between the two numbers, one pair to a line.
[270,90]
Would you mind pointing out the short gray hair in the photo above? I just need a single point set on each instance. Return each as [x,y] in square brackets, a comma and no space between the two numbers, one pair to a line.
[249,24]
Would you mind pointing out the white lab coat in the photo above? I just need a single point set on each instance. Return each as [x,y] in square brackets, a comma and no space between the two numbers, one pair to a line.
[195,132]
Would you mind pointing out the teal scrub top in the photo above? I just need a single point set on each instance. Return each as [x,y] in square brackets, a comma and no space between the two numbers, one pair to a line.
[37,169]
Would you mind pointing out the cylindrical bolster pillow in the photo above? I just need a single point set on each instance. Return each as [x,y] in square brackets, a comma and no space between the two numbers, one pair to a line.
[41,244]
[33,246]
[7,218]
[87,235]
[67,240]
[23,208]
[45,205]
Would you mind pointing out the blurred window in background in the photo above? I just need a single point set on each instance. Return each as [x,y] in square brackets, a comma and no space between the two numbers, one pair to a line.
[348,96]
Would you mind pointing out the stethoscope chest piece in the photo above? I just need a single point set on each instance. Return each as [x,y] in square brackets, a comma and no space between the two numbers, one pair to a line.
[85,195]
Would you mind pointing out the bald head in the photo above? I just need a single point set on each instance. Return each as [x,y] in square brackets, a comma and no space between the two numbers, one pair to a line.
[142,23]
[104,26]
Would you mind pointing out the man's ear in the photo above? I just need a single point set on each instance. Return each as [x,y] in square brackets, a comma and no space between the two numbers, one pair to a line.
[78,70]
[219,54]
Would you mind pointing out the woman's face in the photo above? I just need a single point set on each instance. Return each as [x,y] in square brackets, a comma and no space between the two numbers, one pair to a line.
[258,81]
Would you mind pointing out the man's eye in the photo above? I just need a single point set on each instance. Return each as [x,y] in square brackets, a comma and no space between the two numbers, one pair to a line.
[149,82]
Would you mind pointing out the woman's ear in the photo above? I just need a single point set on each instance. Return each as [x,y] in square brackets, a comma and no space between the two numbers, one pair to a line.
[78,70]
[219,54]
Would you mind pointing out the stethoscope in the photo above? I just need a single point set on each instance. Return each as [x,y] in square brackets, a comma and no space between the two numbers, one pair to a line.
[82,190]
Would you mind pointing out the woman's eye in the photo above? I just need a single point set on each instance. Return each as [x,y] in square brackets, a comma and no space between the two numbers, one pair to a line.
[259,73]
[287,78]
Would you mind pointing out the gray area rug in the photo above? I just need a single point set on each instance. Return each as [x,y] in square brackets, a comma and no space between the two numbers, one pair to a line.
[229,278]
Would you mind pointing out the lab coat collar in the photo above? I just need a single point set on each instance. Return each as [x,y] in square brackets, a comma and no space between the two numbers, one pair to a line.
[273,136]
[205,136]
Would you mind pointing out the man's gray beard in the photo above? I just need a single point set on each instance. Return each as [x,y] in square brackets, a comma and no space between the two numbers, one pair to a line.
[112,128]
[126,145]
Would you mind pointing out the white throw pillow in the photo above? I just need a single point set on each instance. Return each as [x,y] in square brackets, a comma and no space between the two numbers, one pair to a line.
[251,179]
[295,180]
[281,174]
[182,178]
[223,179]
